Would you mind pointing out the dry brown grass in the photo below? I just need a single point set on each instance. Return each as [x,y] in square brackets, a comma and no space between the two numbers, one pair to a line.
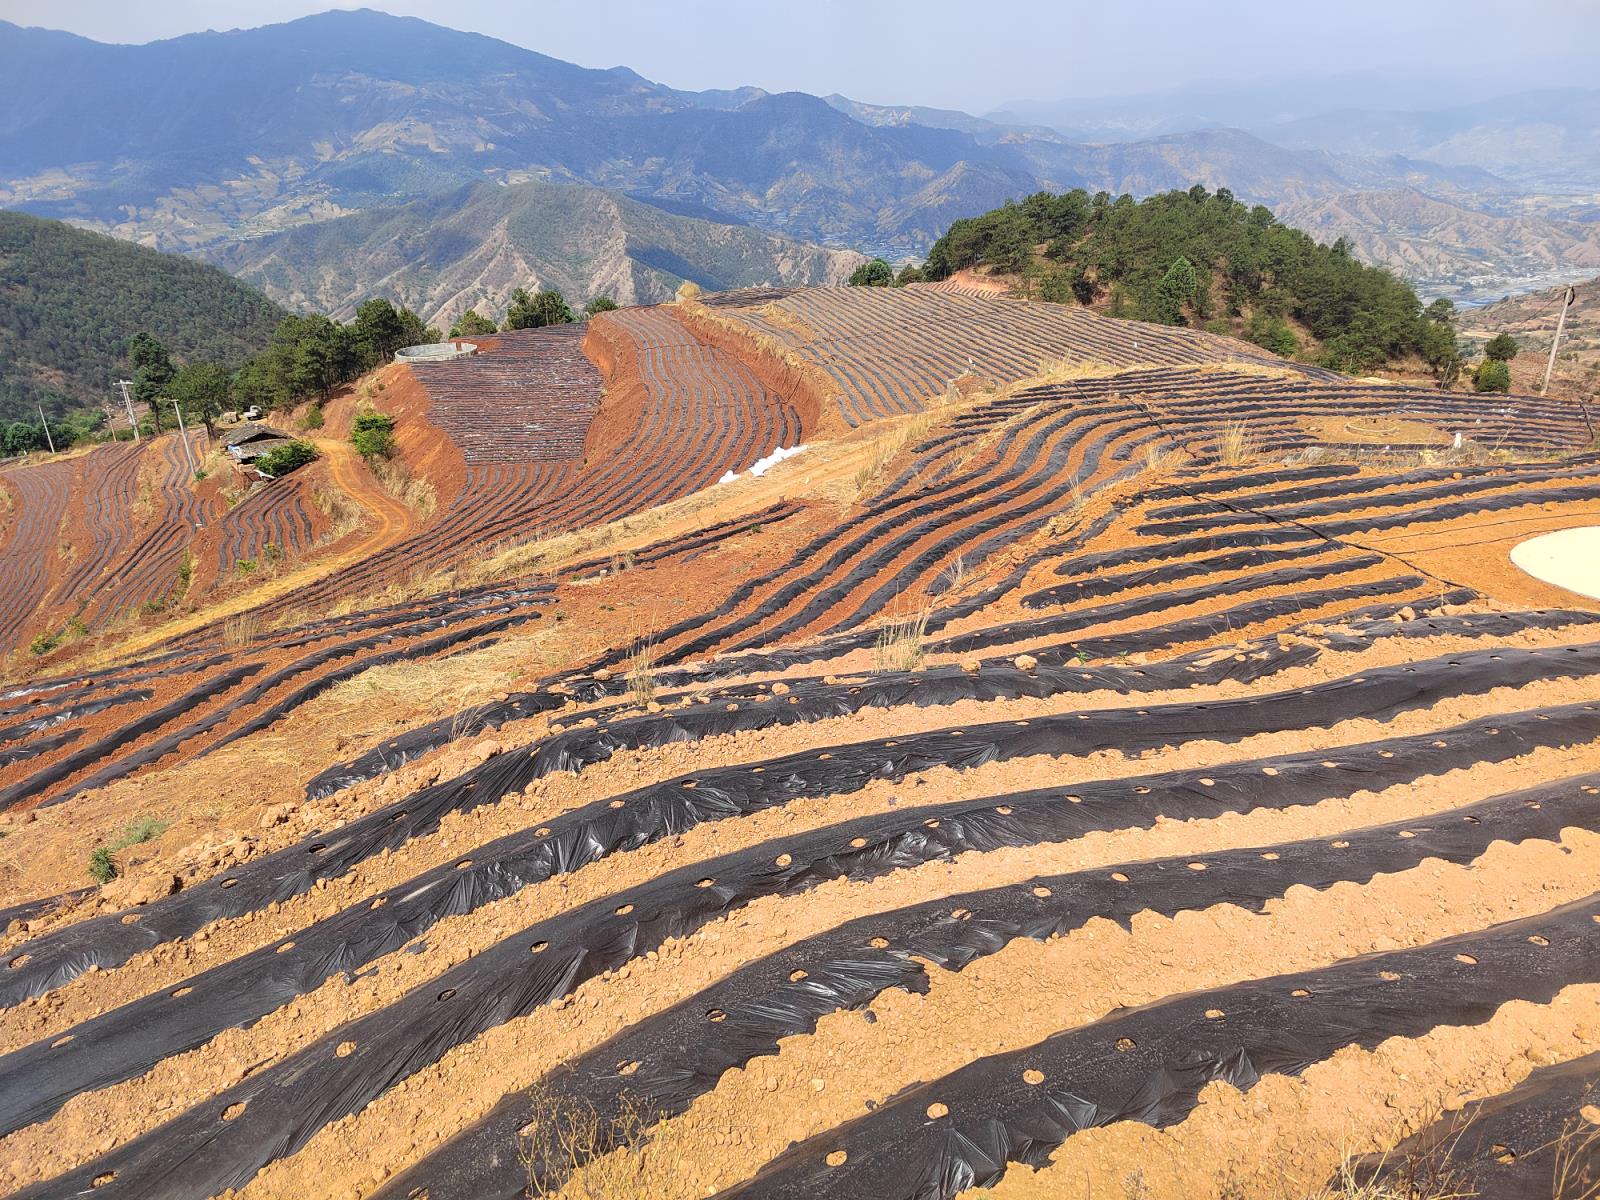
[571,1153]
[642,672]
[902,643]
[411,490]
[240,630]
[1236,446]
[344,515]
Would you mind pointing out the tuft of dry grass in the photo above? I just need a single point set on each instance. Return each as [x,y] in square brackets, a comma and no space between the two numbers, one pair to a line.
[642,672]
[411,490]
[902,642]
[573,1153]
[344,515]
[240,630]
[1235,444]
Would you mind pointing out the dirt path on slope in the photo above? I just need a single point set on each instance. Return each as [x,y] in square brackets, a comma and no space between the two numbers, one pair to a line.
[394,521]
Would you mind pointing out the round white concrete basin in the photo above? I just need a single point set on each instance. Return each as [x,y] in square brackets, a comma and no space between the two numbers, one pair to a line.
[1568,558]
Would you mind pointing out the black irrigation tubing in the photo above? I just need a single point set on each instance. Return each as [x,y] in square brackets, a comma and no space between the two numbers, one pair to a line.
[1149,1064]
[808,699]
[80,684]
[996,502]
[54,959]
[1330,535]
[591,833]
[1244,481]
[1459,509]
[1100,586]
[29,909]
[70,764]
[987,530]
[1088,564]
[158,750]
[920,509]
[107,941]
[659,1066]
[1508,1146]
[1454,481]
[276,1111]
[1119,610]
[706,536]
[398,751]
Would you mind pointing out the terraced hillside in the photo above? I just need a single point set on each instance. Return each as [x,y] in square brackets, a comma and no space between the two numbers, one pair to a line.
[1147,777]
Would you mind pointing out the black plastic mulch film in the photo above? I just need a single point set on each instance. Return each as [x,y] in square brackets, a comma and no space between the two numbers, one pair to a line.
[602,827]
[1509,1146]
[199,1153]
[1149,1064]
[108,1048]
[677,1055]
[70,764]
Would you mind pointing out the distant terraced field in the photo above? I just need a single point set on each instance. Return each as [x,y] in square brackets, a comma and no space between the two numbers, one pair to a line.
[1143,776]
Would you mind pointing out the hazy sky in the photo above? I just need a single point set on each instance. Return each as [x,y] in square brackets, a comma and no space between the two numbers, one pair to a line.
[969,54]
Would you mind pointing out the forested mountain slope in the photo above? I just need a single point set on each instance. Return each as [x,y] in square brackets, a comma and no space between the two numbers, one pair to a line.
[70,299]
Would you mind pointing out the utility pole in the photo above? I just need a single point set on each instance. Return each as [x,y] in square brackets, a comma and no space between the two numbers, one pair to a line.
[45,425]
[188,451]
[1566,303]
[127,402]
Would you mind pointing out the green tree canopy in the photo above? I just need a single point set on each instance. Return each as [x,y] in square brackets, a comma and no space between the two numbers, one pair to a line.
[152,371]
[600,304]
[378,331]
[910,273]
[1492,375]
[546,307]
[1121,252]
[471,324]
[290,456]
[876,273]
[1175,291]
[202,391]
[1502,346]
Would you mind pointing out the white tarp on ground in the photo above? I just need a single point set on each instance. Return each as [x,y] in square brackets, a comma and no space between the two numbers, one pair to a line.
[762,465]
[1568,558]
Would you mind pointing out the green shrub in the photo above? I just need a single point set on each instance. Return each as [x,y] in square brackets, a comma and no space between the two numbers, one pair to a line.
[102,867]
[372,434]
[45,642]
[290,456]
[313,418]
[1272,333]
[1492,375]
[876,273]
[102,861]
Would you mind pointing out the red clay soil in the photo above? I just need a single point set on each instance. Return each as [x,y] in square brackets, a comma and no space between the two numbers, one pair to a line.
[805,390]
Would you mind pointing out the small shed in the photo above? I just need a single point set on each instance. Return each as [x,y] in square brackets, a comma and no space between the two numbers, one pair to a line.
[249,442]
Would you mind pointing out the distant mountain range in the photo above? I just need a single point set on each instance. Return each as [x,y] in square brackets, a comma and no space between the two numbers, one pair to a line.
[208,142]
[471,246]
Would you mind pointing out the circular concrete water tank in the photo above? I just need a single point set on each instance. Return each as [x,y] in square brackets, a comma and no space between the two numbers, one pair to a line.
[1568,558]
[434,352]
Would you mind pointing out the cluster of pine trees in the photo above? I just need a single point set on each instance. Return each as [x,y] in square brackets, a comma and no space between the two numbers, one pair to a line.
[528,310]
[1198,258]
